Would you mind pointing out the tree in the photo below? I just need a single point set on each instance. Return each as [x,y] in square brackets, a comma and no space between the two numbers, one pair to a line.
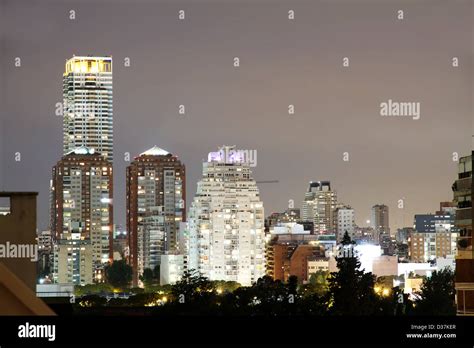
[437,294]
[351,290]
[147,277]
[156,273]
[192,287]
[119,273]
[317,283]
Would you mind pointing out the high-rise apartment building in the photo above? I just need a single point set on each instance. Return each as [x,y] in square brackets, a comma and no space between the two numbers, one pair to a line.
[226,221]
[73,260]
[156,197]
[345,222]
[463,189]
[434,236]
[319,207]
[81,208]
[88,109]
[379,220]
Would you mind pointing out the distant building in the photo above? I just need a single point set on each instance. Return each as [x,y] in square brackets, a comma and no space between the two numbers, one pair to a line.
[45,252]
[319,207]
[379,220]
[156,196]
[345,222]
[45,241]
[121,243]
[403,253]
[463,189]
[365,235]
[388,244]
[403,234]
[289,215]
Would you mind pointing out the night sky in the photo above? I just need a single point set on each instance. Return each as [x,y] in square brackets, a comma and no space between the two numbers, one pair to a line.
[282,62]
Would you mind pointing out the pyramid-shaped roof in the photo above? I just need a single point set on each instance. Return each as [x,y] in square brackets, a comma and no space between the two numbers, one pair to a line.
[155,151]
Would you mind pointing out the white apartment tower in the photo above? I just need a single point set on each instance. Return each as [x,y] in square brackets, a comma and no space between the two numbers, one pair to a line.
[319,207]
[88,111]
[345,222]
[226,221]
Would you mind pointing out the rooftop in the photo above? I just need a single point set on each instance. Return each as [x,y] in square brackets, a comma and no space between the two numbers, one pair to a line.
[82,150]
[155,151]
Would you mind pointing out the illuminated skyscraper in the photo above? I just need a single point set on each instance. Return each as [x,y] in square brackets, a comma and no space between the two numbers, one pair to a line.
[226,221]
[319,207]
[156,197]
[88,110]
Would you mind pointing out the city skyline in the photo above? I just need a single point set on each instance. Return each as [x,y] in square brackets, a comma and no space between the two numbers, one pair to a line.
[196,163]
[381,168]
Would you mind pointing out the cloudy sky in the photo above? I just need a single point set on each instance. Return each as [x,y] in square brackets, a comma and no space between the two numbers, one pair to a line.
[282,62]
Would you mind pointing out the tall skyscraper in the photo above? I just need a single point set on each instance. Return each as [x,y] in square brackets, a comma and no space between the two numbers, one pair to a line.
[463,189]
[156,196]
[82,213]
[88,110]
[226,221]
[319,207]
[379,220]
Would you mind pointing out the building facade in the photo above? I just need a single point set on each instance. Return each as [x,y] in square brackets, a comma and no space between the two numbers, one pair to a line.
[226,222]
[379,220]
[434,236]
[319,207]
[88,105]
[172,268]
[82,205]
[45,253]
[73,260]
[289,249]
[463,189]
[345,222]
[156,198]
[289,215]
